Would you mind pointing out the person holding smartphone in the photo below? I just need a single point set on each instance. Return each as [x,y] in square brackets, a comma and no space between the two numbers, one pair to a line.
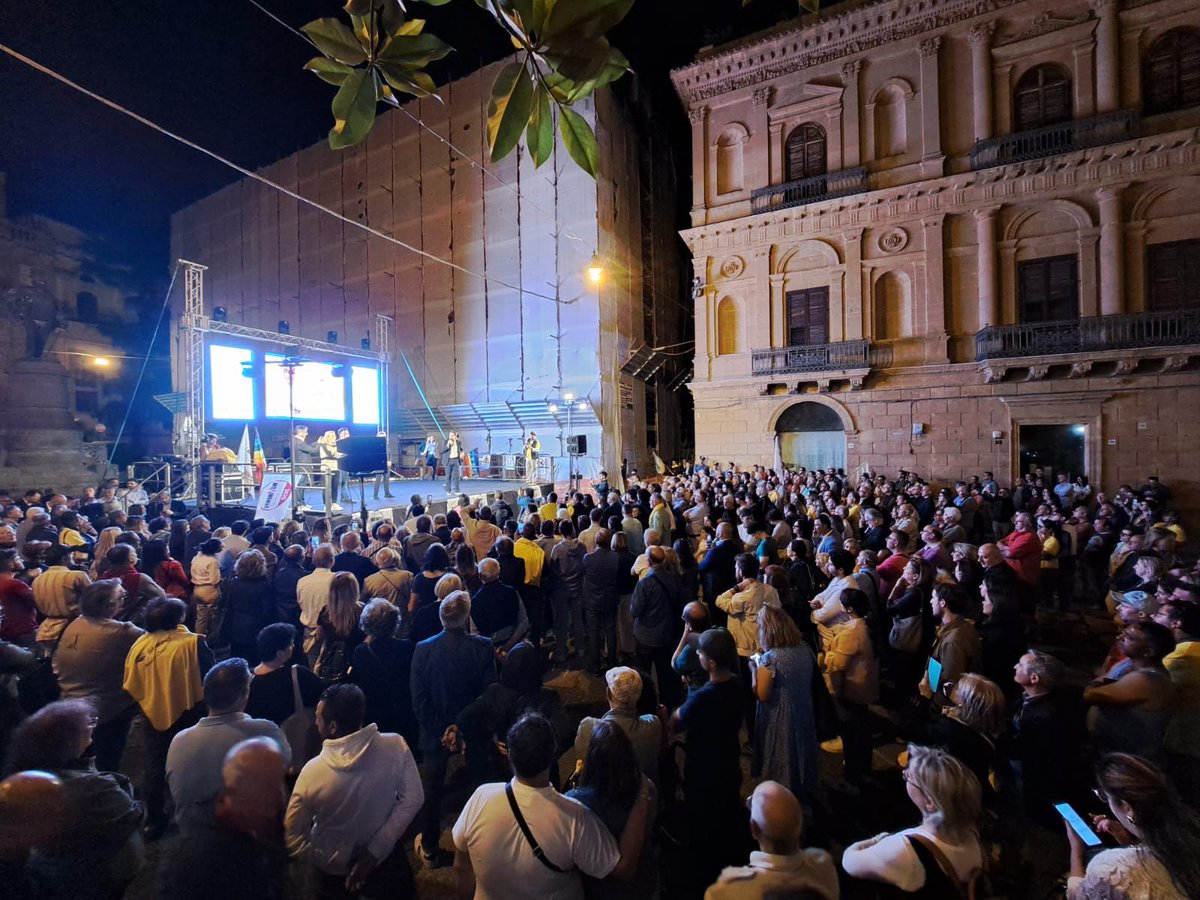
[1158,836]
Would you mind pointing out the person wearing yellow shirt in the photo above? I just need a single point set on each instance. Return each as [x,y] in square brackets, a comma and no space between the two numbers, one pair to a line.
[549,510]
[1182,740]
[1170,523]
[1051,548]
[526,549]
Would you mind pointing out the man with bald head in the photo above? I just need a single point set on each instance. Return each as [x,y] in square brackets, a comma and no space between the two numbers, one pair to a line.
[716,570]
[497,609]
[780,865]
[240,853]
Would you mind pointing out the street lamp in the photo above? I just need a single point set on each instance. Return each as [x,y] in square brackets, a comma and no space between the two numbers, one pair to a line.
[102,361]
[595,270]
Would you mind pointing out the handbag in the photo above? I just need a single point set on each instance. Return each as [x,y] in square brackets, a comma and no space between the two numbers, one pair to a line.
[905,635]
[300,728]
[825,716]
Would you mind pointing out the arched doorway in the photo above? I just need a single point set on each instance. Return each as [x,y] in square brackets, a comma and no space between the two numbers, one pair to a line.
[811,435]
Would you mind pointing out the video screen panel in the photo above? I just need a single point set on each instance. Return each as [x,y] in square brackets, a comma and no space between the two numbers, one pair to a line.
[231,391]
[364,395]
[319,394]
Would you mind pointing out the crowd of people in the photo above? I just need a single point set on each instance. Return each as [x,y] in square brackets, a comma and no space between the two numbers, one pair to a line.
[773,646]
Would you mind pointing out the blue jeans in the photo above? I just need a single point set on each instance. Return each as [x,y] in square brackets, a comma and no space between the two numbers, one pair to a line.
[453,476]
[568,619]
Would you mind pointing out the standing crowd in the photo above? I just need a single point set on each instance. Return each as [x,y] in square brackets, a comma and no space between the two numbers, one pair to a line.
[783,655]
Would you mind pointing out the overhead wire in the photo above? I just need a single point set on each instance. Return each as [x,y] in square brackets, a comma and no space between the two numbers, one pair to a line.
[45,70]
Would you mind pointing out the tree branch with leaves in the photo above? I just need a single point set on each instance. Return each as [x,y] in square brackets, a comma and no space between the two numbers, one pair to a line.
[563,53]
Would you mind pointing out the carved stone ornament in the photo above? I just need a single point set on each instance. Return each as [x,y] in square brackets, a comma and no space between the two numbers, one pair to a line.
[732,267]
[762,96]
[850,70]
[982,32]
[1080,369]
[893,240]
[994,374]
[697,114]
[929,46]
[1037,373]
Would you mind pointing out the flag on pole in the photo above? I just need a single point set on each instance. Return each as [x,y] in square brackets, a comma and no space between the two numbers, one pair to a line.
[777,462]
[259,459]
[243,457]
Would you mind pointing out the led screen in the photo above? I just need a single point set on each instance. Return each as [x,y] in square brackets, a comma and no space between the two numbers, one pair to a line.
[232,392]
[364,395]
[318,393]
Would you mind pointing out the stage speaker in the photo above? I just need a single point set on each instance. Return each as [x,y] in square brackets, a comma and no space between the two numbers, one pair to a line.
[577,445]
[365,454]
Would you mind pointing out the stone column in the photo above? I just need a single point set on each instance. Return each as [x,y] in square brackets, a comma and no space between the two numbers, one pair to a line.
[981,77]
[932,161]
[758,149]
[778,301]
[1108,62]
[935,289]
[854,280]
[1112,255]
[851,114]
[698,116]
[985,237]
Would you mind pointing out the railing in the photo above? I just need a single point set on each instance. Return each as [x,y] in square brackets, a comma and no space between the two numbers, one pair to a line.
[1051,140]
[1088,334]
[810,190]
[812,358]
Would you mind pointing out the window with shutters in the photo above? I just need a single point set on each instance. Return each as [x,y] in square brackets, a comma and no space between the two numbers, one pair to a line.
[1172,72]
[1043,97]
[1173,276]
[808,317]
[1048,289]
[805,152]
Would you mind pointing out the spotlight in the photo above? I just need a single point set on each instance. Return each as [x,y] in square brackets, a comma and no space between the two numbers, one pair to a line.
[582,404]
[285,327]
[331,337]
[101,361]
[366,343]
[219,314]
[553,407]
[595,269]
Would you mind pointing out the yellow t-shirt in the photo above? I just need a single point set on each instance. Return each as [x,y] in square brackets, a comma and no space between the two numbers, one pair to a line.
[548,511]
[1050,548]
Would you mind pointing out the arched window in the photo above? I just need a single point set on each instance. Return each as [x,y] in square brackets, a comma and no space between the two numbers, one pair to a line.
[805,152]
[1171,72]
[891,125]
[727,327]
[730,147]
[1043,97]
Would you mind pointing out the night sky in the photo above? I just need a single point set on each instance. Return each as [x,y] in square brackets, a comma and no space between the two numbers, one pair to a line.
[226,76]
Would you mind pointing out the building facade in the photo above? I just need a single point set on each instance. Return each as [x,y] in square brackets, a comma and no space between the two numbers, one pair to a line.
[952,236]
[494,356]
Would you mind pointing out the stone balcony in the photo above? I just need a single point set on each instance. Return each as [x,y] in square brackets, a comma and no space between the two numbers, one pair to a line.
[1091,345]
[1038,143]
[846,361]
[810,190]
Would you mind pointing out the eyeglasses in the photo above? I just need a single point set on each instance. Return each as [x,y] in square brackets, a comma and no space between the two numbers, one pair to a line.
[1100,795]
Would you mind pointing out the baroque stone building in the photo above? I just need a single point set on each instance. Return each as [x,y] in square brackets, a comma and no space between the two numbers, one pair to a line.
[493,357]
[952,236]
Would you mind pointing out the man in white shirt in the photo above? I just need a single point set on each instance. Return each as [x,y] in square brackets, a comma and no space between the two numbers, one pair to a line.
[312,594]
[353,803]
[827,609]
[494,857]
[780,864]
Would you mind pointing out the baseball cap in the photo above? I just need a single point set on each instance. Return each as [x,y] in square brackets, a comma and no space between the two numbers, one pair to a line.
[625,684]
[1139,600]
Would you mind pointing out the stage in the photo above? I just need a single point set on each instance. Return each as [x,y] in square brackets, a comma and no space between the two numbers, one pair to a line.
[433,494]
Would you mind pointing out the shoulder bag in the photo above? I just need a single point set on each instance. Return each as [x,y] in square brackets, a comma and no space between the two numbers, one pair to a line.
[300,728]
[538,852]
[905,635]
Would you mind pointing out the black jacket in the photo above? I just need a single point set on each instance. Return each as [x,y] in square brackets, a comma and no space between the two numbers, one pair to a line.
[359,565]
[656,607]
[716,570]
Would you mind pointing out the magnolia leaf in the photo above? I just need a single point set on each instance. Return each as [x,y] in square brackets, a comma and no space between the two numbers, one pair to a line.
[413,51]
[419,84]
[364,30]
[335,40]
[578,61]
[353,110]
[411,27]
[526,14]
[508,110]
[579,139]
[583,19]
[539,137]
[391,16]
[438,2]
[811,6]
[328,69]
[358,7]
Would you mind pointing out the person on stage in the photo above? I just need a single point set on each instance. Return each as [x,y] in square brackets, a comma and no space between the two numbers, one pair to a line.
[453,453]
[430,452]
[384,478]
[327,444]
[307,454]
[532,448]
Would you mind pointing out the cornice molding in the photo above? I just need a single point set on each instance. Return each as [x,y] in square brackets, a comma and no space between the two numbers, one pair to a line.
[1161,156]
[856,31]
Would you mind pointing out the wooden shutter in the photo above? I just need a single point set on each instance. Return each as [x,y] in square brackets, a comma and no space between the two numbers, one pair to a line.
[805,152]
[808,317]
[1173,276]
[1043,97]
[1048,289]
[1172,72]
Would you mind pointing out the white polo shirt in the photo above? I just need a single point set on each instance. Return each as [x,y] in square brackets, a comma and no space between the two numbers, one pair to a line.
[312,593]
[572,837]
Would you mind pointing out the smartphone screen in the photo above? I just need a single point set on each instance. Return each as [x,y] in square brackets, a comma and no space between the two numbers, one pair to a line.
[1080,827]
[935,674]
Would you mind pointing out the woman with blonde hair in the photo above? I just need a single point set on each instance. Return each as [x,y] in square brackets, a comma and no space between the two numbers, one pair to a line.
[969,727]
[942,854]
[338,630]
[785,743]
[104,543]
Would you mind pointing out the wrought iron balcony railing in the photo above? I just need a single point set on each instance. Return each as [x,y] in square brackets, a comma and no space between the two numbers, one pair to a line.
[1089,334]
[1078,134]
[810,190]
[812,358]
